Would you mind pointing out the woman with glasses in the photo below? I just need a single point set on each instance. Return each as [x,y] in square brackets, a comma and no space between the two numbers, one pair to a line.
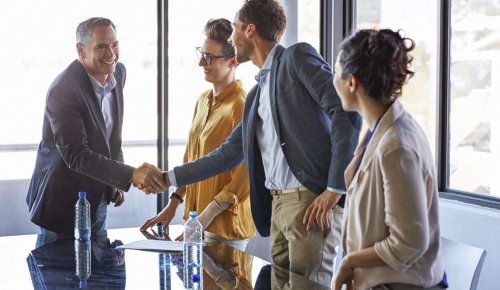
[391,224]
[222,201]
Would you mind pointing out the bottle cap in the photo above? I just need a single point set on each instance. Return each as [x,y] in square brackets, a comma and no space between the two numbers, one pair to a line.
[83,283]
[192,214]
[196,278]
[82,194]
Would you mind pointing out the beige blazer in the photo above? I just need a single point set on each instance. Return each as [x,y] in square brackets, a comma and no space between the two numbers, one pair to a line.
[392,204]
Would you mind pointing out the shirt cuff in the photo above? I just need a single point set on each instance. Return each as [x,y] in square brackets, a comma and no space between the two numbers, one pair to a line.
[339,191]
[171,177]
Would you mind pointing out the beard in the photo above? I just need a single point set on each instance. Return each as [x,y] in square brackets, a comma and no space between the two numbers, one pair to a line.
[243,55]
[242,58]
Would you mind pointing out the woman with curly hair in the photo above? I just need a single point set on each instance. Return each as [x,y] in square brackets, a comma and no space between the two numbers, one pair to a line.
[391,225]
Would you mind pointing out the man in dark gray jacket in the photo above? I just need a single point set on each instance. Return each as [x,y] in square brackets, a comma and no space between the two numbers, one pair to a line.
[81,140]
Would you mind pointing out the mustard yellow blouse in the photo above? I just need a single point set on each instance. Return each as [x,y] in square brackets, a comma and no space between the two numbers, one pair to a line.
[210,128]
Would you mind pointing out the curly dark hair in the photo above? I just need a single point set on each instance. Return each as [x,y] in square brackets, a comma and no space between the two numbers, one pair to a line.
[220,30]
[380,60]
[267,15]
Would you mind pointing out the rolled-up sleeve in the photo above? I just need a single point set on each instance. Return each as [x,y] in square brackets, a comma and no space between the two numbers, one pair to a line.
[405,196]
[236,190]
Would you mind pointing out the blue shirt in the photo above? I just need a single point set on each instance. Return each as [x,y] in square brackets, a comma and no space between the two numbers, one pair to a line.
[105,100]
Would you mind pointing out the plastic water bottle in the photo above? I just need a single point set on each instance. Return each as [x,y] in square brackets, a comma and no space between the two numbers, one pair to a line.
[193,252]
[82,261]
[82,218]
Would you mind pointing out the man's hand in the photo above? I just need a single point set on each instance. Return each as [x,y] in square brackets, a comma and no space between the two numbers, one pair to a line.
[149,179]
[117,197]
[319,209]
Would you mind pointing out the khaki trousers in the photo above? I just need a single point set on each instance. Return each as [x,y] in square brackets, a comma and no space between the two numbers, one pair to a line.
[307,253]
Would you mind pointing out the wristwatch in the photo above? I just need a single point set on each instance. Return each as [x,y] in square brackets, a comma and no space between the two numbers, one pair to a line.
[177,196]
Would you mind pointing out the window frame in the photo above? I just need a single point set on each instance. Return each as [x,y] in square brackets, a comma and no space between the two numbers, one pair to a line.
[338,18]
[443,126]
[345,9]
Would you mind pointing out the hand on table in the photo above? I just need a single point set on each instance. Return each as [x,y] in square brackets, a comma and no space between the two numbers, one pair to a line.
[164,217]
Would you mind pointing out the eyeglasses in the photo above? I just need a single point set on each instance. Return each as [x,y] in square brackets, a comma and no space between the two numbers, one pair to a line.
[207,57]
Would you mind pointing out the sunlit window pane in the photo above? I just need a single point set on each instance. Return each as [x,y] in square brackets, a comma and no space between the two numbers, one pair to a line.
[43,45]
[475,105]
[38,43]
[418,20]
[186,81]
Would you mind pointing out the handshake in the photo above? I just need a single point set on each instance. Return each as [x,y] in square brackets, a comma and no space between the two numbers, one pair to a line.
[150,179]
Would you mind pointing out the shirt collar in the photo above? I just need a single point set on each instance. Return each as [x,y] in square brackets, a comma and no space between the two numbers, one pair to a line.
[269,60]
[227,92]
[262,74]
[109,84]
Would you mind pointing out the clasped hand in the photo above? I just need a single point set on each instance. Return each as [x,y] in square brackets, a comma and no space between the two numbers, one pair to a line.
[149,179]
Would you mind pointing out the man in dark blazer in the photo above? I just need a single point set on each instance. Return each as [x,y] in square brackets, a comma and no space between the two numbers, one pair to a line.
[296,141]
[81,140]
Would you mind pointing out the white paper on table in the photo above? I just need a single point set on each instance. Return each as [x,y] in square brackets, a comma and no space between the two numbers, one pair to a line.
[153,245]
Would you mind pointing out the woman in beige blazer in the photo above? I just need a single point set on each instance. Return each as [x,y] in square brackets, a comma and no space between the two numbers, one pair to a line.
[391,225]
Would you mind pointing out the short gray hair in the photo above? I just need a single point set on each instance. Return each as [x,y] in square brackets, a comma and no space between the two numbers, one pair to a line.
[84,29]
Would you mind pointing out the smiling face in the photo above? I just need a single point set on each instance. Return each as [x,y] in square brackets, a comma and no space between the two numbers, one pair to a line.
[100,55]
[220,69]
[238,39]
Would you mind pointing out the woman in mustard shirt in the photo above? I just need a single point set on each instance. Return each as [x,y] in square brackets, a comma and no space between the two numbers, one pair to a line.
[222,202]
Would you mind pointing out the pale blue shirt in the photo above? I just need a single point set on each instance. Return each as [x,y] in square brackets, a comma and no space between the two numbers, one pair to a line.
[278,172]
[105,100]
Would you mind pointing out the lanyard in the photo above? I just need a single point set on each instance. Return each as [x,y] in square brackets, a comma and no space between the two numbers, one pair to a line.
[368,138]
[370,133]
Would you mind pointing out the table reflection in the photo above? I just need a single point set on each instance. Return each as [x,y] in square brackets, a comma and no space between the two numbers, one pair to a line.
[224,267]
[67,263]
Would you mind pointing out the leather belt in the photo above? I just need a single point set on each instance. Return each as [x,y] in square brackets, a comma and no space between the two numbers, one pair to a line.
[275,192]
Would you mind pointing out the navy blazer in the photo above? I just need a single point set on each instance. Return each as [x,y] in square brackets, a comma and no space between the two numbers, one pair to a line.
[317,136]
[74,154]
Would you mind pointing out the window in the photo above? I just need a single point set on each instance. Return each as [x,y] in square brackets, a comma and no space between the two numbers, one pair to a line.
[38,42]
[474,70]
[475,104]
[185,78]
[416,21]
[186,81]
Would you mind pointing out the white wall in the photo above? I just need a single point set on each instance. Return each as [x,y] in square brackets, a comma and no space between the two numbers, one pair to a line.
[15,218]
[476,226]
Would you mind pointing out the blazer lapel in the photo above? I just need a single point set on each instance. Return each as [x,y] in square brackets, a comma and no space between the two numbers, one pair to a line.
[91,99]
[364,154]
[252,115]
[352,168]
[272,86]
